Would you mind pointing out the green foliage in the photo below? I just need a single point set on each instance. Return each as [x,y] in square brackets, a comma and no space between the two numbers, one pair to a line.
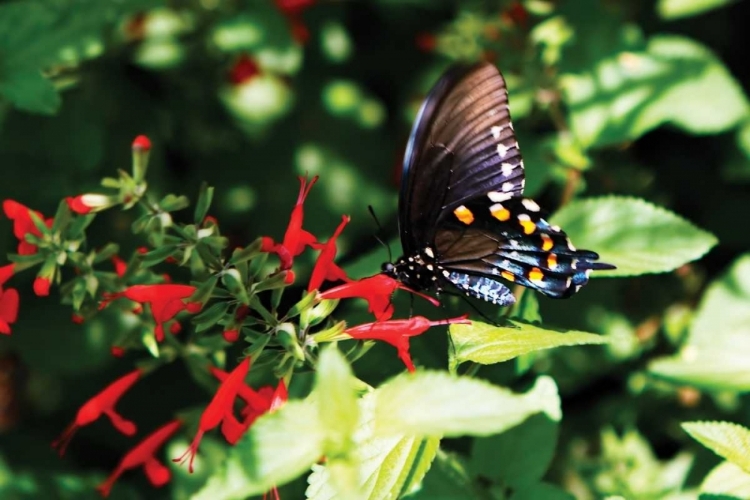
[634,235]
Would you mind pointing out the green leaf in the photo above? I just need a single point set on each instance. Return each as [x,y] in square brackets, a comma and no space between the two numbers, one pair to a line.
[675,9]
[541,491]
[487,344]
[447,479]
[279,447]
[30,91]
[630,93]
[173,203]
[389,466]
[726,439]
[632,234]
[431,403]
[205,196]
[339,415]
[718,345]
[157,255]
[247,253]
[726,481]
[508,458]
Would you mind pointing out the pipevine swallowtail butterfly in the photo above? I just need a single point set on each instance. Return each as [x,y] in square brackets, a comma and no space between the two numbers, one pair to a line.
[462,215]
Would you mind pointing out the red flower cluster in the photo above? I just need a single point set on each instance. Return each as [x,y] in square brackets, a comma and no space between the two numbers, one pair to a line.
[292,10]
[23,224]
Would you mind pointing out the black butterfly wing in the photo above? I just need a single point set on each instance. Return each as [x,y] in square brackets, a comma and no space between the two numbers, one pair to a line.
[462,144]
[511,240]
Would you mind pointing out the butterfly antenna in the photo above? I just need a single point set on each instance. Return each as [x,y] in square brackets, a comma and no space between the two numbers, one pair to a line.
[380,230]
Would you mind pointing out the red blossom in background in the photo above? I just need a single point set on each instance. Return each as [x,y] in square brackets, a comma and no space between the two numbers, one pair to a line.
[101,404]
[377,291]
[292,10]
[295,238]
[8,309]
[144,455]
[397,332]
[325,268]
[243,70]
[166,300]
[9,300]
[219,411]
[120,266]
[23,225]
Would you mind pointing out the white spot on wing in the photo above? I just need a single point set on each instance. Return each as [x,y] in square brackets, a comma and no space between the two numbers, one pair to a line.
[428,252]
[524,217]
[498,197]
[530,205]
[507,169]
[502,150]
[508,186]
[496,131]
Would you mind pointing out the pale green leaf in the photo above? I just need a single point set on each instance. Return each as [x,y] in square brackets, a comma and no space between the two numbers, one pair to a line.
[728,440]
[488,344]
[339,415]
[389,466]
[743,139]
[675,9]
[718,345]
[675,80]
[727,479]
[432,403]
[447,479]
[279,447]
[632,234]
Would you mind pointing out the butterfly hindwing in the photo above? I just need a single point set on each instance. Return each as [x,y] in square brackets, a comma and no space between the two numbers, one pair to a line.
[512,241]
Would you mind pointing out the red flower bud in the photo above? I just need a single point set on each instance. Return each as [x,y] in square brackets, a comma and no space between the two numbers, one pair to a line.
[231,335]
[77,319]
[142,142]
[117,352]
[41,286]
[243,70]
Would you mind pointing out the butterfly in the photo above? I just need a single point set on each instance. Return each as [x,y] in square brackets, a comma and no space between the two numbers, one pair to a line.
[462,216]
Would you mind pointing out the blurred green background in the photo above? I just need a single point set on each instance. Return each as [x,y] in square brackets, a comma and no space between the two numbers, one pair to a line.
[637,98]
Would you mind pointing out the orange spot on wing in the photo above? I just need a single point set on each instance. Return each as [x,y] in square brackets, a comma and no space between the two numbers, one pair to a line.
[464,215]
[508,276]
[501,214]
[552,261]
[536,275]
[528,226]
[547,243]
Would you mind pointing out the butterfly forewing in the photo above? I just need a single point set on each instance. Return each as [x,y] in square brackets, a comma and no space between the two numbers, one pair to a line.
[462,144]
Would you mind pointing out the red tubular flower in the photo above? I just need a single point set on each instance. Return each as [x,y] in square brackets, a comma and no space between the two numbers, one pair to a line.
[117,351]
[257,403]
[143,455]
[295,238]
[166,301]
[325,269]
[77,319]
[8,309]
[6,272]
[23,225]
[101,404]
[397,332]
[231,335]
[377,291]
[219,410]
